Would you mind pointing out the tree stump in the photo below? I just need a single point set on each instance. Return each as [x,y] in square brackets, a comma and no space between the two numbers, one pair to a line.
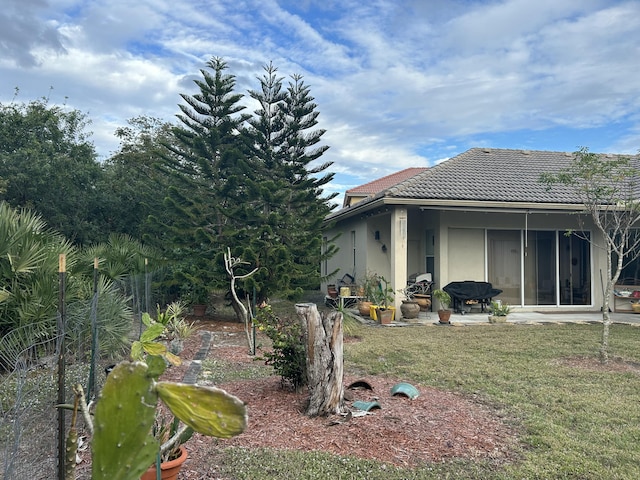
[323,334]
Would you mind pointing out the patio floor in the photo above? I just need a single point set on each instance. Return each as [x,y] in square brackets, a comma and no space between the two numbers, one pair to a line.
[477,318]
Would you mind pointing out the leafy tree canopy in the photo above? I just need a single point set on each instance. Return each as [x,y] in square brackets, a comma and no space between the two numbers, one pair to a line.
[44,150]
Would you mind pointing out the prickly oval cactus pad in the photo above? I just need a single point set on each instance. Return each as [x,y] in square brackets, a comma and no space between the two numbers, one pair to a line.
[208,410]
[122,446]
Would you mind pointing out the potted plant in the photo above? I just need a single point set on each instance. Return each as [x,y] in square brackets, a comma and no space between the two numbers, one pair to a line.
[163,338]
[499,312]
[177,329]
[172,451]
[368,284]
[197,296]
[127,438]
[444,314]
[421,292]
[410,308]
[383,299]
[123,444]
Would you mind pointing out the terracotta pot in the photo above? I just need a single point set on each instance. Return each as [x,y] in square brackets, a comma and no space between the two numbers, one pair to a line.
[444,316]
[332,291]
[423,300]
[385,316]
[410,309]
[168,470]
[364,308]
[199,310]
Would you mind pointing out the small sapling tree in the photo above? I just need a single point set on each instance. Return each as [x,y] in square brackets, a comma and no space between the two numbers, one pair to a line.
[609,189]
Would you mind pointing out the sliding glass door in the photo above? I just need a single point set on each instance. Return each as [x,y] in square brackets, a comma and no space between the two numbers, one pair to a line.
[540,267]
[574,262]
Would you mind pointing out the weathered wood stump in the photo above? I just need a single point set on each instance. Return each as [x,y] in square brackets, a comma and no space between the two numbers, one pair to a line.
[324,348]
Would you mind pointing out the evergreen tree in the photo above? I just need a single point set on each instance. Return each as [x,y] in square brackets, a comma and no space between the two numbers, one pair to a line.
[253,184]
[287,204]
[308,176]
[205,163]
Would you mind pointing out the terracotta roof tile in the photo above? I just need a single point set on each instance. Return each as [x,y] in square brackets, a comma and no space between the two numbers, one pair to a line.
[389,181]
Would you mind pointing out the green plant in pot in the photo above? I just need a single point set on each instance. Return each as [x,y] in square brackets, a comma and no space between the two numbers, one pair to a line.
[368,283]
[499,312]
[384,297]
[444,314]
[130,433]
[199,299]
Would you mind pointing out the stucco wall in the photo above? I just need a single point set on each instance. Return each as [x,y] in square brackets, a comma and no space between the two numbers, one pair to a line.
[459,248]
[369,254]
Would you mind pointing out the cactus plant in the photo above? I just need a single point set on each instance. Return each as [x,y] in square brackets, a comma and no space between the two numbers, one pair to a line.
[123,446]
[147,345]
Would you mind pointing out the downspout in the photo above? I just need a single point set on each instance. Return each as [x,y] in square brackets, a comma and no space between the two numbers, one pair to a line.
[526,232]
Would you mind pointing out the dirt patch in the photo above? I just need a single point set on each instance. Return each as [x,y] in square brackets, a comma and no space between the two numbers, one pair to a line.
[615,365]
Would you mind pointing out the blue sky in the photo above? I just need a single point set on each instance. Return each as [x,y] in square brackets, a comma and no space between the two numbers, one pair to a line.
[398,83]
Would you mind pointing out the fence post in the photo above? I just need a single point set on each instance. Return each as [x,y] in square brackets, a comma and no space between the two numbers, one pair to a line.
[62,271]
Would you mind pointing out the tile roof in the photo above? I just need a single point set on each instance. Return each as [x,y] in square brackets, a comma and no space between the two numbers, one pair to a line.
[386,182]
[495,175]
[487,175]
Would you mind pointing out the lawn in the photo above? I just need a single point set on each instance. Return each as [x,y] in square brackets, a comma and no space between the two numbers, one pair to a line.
[576,419]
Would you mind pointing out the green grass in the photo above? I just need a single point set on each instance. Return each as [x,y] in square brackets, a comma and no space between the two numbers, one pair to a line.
[573,423]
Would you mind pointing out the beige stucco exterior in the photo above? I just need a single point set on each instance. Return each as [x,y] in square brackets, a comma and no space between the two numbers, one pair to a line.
[394,241]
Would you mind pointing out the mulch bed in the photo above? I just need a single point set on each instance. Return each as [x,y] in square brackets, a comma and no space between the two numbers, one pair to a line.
[434,427]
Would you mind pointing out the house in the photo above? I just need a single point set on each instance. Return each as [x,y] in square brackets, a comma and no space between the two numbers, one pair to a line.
[483,215]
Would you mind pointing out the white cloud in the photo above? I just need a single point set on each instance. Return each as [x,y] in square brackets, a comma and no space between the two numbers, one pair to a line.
[23,29]
[398,84]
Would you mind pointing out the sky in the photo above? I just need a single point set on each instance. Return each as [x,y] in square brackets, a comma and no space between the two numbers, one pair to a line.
[398,83]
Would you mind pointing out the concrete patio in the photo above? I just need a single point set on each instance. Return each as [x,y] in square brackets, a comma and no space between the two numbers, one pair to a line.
[520,318]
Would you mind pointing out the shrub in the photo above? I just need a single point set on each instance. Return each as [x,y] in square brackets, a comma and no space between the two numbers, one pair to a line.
[288,356]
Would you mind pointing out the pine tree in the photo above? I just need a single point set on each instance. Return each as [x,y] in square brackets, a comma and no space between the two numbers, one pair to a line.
[307,178]
[205,163]
[286,195]
[247,183]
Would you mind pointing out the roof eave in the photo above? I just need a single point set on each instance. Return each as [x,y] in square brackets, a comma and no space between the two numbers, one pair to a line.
[440,204]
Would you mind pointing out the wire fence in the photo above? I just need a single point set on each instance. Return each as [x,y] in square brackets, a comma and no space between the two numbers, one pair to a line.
[29,388]
[28,391]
